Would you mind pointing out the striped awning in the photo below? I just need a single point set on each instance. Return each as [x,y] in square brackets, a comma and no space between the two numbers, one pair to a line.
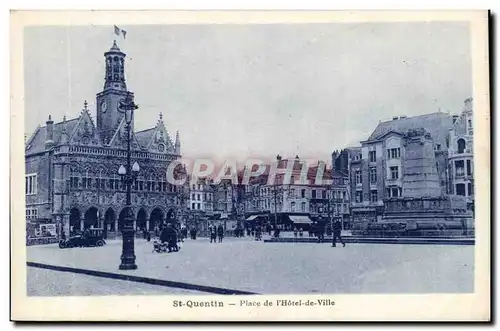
[300,219]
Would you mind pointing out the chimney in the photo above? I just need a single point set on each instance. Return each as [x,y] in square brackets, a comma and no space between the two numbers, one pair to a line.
[394,118]
[49,133]
[64,132]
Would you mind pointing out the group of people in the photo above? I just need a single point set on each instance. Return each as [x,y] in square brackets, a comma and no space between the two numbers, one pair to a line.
[318,230]
[216,233]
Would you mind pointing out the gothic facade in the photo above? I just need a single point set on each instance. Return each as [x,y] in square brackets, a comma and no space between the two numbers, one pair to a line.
[72,166]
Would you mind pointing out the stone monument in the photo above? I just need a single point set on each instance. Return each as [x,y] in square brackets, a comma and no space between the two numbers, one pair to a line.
[422,208]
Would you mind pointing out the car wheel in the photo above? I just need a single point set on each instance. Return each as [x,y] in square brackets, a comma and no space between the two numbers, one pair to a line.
[62,244]
[100,243]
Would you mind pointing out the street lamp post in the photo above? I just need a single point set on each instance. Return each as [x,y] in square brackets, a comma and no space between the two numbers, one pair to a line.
[128,175]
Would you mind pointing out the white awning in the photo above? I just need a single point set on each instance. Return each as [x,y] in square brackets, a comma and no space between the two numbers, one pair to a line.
[300,219]
[251,218]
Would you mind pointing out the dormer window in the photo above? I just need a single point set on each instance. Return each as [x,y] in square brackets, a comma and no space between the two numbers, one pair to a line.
[461,146]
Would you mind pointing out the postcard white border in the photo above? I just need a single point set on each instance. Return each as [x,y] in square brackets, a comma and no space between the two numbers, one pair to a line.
[358,307]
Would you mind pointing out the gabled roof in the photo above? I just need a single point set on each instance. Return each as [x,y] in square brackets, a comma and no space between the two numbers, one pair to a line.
[437,124]
[144,136]
[36,143]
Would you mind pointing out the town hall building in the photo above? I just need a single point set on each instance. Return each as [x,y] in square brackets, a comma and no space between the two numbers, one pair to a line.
[71,166]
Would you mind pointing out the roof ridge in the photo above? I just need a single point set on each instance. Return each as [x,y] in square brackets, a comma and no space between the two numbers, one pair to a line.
[145,130]
[411,117]
[73,119]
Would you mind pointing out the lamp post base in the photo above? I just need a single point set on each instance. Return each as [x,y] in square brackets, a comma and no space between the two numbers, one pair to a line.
[128,266]
[128,255]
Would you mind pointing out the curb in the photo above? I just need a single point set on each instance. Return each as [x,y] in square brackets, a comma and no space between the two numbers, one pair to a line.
[347,240]
[139,279]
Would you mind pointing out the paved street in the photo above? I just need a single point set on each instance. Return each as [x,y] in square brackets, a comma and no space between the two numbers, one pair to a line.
[273,268]
[56,283]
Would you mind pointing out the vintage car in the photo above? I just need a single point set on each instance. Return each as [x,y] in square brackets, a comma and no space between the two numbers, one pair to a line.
[90,237]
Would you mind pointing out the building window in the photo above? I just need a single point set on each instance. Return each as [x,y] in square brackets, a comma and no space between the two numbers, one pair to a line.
[373,175]
[292,207]
[469,189]
[469,168]
[359,196]
[113,183]
[86,181]
[192,206]
[372,156]
[460,189]
[394,172]
[198,206]
[373,196]
[323,194]
[470,124]
[73,178]
[461,146]
[193,196]
[459,168]
[314,194]
[292,193]
[198,197]
[303,206]
[31,213]
[359,178]
[437,147]
[394,153]
[303,193]
[194,187]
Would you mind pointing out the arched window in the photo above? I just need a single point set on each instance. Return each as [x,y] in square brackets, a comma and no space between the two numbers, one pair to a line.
[303,207]
[461,146]
[292,206]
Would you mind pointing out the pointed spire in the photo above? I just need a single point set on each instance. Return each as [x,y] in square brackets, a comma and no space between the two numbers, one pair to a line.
[85,104]
[177,142]
[161,117]
[114,48]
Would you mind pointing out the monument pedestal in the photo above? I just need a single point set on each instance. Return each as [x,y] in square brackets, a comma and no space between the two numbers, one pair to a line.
[429,216]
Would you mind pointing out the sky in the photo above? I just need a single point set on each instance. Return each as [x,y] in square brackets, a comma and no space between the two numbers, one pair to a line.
[240,91]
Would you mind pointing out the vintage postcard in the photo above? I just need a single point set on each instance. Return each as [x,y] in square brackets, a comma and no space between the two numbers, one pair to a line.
[250,166]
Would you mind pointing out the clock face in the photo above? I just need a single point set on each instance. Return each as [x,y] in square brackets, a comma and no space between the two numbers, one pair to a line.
[104,106]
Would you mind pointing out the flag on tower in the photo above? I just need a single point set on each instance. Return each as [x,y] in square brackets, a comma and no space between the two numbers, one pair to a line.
[119,31]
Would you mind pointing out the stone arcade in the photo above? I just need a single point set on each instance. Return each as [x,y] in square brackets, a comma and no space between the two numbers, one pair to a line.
[72,166]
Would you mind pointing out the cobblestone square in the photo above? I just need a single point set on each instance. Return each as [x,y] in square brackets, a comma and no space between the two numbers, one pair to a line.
[264,268]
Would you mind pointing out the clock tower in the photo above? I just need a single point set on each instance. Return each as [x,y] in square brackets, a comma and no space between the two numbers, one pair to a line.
[115,90]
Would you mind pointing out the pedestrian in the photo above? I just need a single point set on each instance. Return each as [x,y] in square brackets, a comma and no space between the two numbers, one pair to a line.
[172,238]
[301,232]
[220,232]
[295,232]
[213,234]
[320,233]
[337,230]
